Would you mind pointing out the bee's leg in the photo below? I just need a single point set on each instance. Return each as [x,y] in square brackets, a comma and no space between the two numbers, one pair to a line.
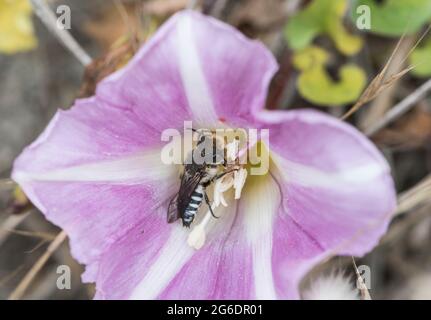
[207,200]
[221,175]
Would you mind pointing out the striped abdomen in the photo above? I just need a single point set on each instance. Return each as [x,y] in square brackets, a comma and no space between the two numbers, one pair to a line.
[193,206]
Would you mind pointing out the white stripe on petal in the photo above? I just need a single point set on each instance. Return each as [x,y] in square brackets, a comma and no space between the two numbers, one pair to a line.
[194,81]
[132,169]
[261,202]
[173,256]
[308,176]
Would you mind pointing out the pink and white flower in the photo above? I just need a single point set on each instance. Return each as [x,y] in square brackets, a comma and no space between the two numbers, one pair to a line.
[96,172]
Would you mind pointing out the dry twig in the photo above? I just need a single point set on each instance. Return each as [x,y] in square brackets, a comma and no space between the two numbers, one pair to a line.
[363,290]
[11,223]
[401,108]
[28,278]
[44,12]
[399,229]
[192,4]
[6,181]
[46,236]
[385,101]
[382,81]
[415,196]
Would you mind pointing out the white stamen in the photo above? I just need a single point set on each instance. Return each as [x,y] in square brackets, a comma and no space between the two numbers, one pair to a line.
[221,186]
[197,236]
[232,150]
[238,181]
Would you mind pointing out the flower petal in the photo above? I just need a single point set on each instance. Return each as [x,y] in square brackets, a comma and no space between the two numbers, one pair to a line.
[336,190]
[337,187]
[225,260]
[95,172]
[236,258]
[193,68]
[155,261]
[295,252]
[142,264]
[259,205]
[238,70]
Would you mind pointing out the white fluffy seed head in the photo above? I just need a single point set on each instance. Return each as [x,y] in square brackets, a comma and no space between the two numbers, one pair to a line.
[332,287]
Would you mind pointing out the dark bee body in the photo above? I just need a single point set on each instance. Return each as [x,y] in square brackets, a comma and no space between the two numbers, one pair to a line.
[194,181]
[193,206]
[192,193]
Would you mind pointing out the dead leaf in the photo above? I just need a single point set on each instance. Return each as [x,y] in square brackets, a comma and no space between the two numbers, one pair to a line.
[105,65]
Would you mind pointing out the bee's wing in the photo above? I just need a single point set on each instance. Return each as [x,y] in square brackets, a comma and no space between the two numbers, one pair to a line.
[173,212]
[180,201]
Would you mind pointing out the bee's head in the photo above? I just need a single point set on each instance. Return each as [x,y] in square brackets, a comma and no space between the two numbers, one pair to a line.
[210,147]
[203,135]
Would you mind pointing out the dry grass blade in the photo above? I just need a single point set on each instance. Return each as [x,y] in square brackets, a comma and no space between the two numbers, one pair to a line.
[166,7]
[125,17]
[401,108]
[28,278]
[37,246]
[44,12]
[398,230]
[377,86]
[382,81]
[418,42]
[10,276]
[192,4]
[7,184]
[416,201]
[371,91]
[385,100]
[6,181]
[32,234]
[11,223]
[417,195]
[363,290]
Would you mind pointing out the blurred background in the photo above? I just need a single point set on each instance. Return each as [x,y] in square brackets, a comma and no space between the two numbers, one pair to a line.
[328,45]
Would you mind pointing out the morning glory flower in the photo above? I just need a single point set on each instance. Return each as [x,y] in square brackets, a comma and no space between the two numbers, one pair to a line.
[97,173]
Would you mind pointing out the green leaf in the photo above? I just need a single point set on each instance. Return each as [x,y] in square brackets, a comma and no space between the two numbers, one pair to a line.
[322,17]
[315,85]
[421,60]
[394,17]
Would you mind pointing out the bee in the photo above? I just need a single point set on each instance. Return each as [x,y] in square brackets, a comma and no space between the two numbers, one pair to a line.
[195,179]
